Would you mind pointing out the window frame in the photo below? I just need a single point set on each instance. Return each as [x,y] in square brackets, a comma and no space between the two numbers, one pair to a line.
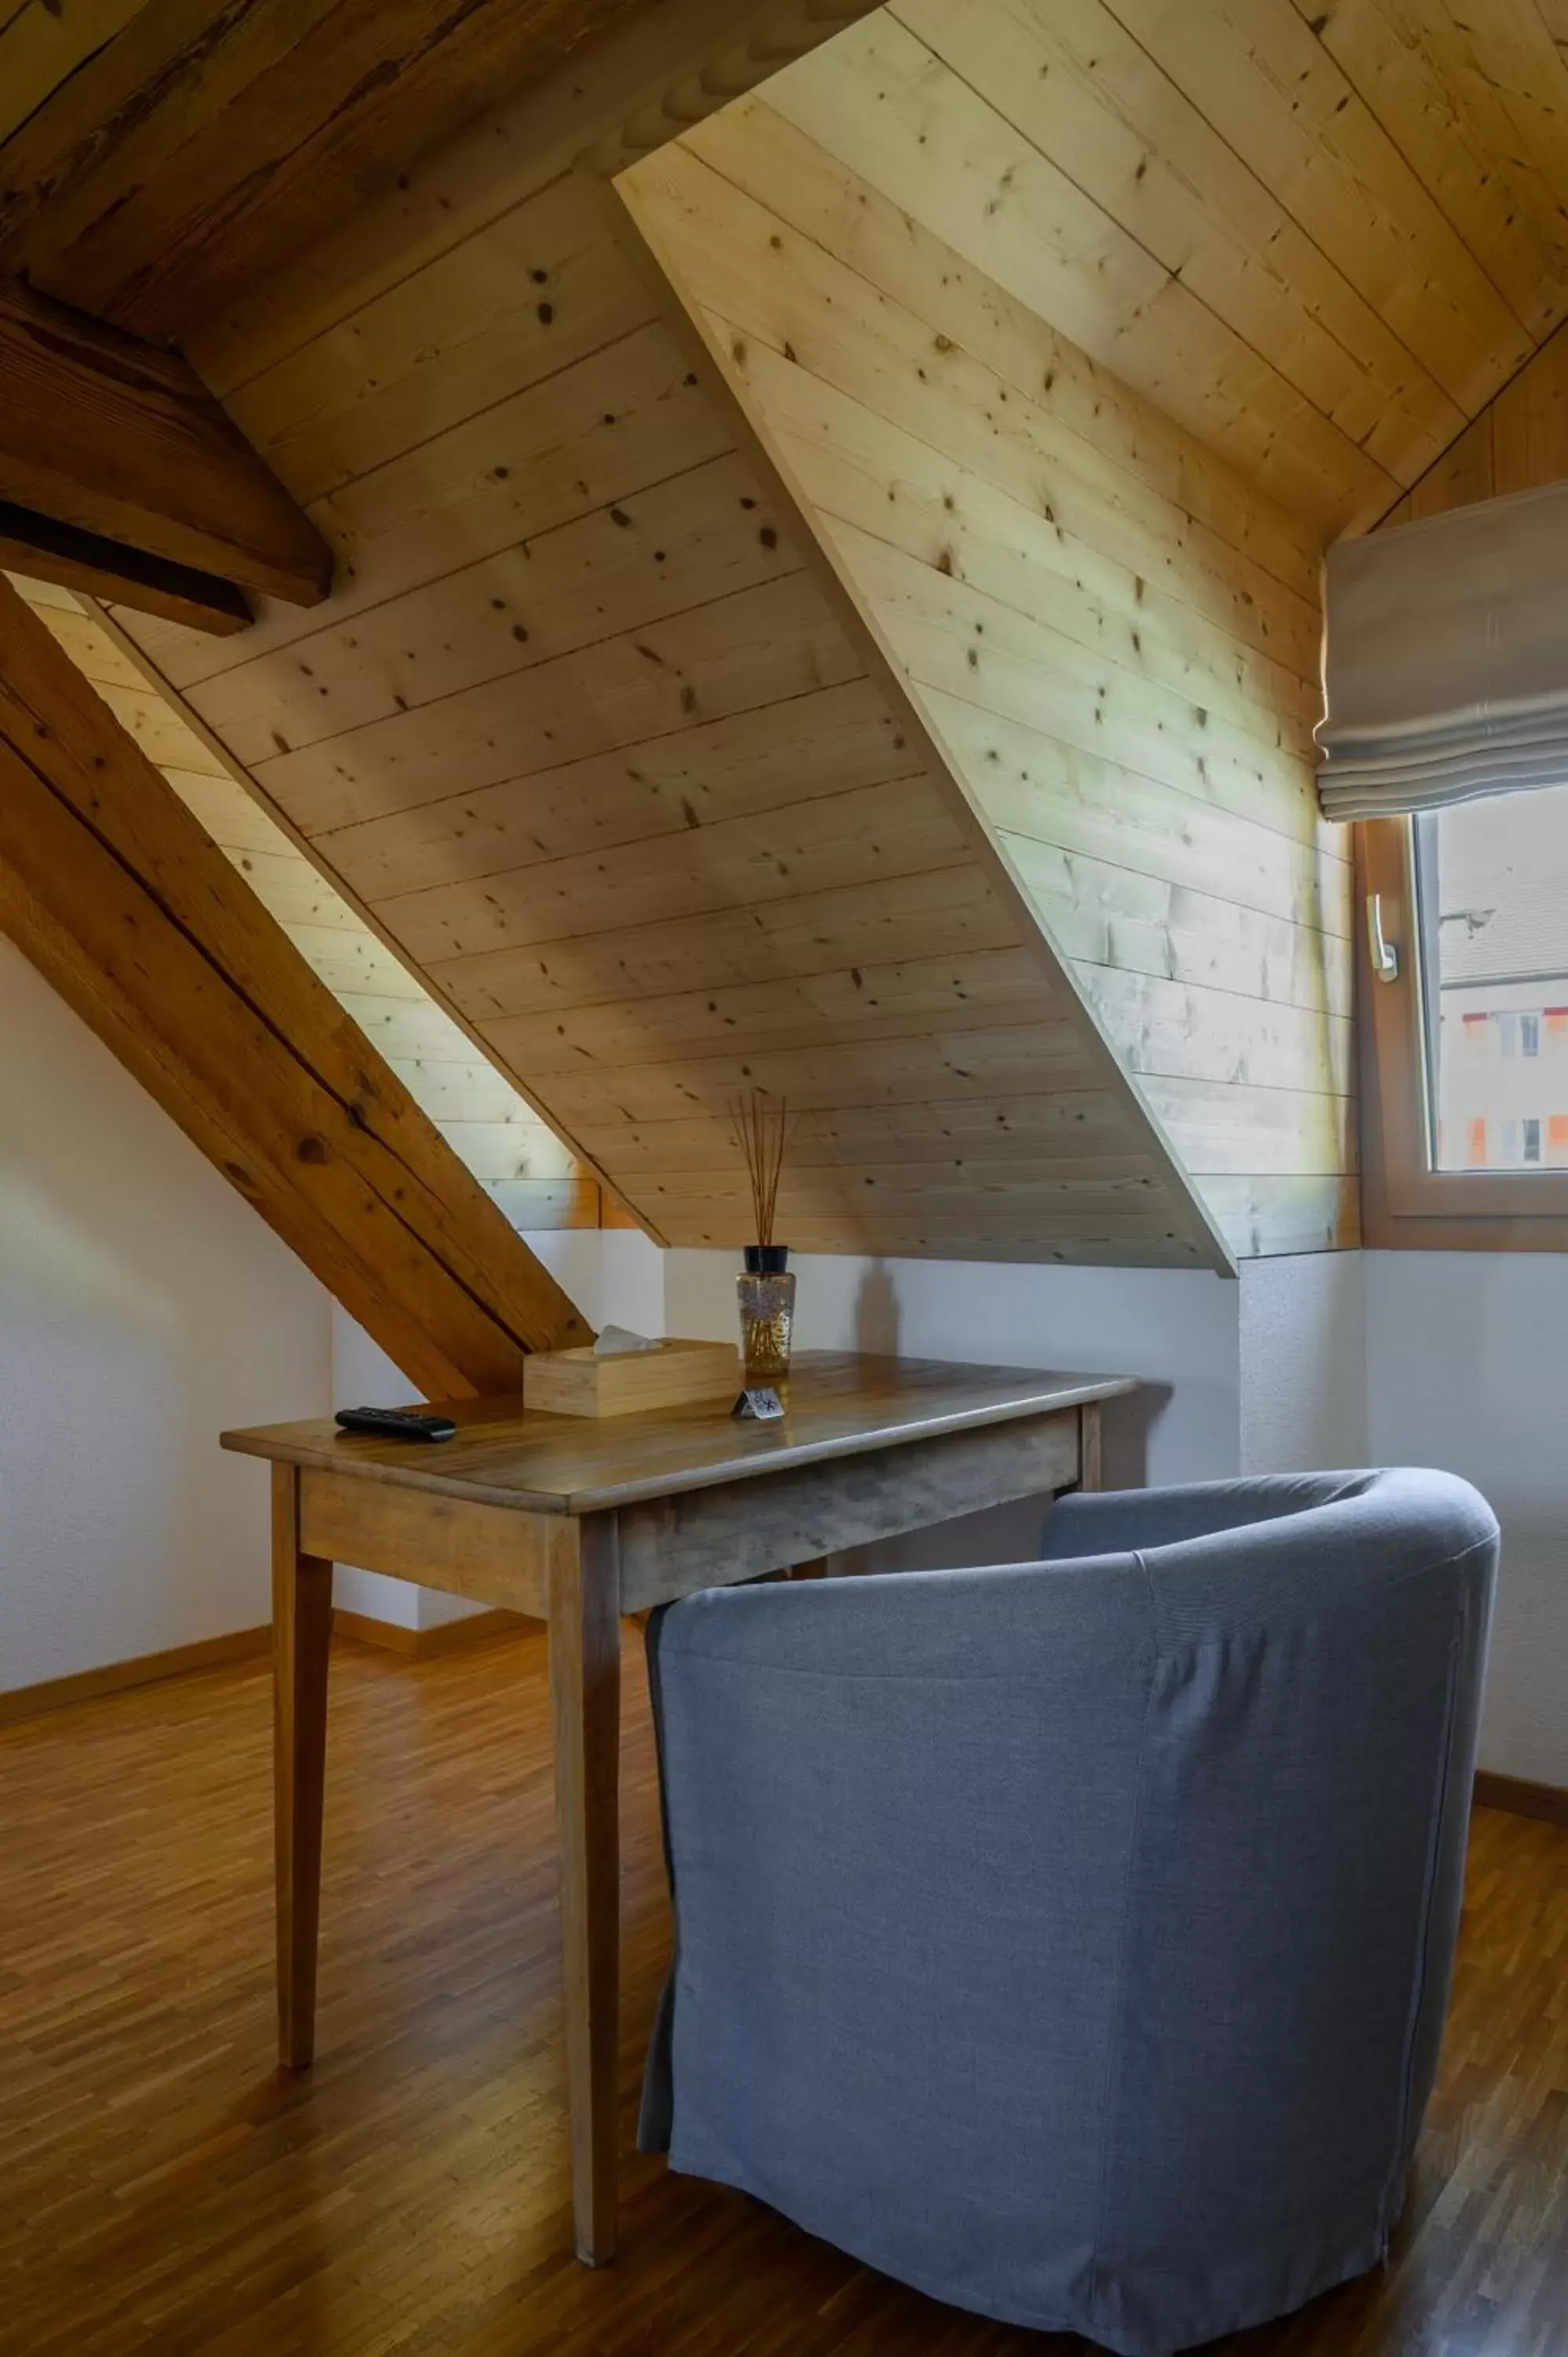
[1406,1204]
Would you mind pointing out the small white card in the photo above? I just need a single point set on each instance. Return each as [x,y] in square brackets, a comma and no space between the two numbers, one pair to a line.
[758,1404]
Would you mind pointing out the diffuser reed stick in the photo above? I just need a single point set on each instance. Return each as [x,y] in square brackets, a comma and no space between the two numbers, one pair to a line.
[764,1132]
[765,1290]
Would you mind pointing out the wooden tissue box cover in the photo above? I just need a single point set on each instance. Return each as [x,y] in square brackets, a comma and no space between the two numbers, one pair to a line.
[629,1383]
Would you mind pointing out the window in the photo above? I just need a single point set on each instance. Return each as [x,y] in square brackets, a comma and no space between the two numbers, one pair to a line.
[1491,881]
[1468,1081]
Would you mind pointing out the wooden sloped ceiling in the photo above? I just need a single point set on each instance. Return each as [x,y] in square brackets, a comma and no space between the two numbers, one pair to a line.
[1320,236]
[1111,634]
[589,740]
[520,1164]
[155,160]
[1519,443]
[1193,288]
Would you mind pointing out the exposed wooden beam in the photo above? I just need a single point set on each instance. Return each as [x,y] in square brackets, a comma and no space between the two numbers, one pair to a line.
[110,437]
[63,553]
[214,137]
[115,893]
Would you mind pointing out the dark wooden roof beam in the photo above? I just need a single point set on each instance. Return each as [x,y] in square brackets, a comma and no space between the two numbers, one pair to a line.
[114,442]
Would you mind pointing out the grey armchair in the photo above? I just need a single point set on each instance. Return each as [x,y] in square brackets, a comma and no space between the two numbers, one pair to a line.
[1071,1940]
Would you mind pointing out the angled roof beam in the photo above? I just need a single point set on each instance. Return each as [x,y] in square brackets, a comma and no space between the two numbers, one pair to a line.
[112,890]
[119,473]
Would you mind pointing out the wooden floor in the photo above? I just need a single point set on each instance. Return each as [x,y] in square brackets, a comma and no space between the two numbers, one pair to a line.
[161,2191]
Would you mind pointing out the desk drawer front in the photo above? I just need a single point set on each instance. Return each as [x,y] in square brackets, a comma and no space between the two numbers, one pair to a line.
[713,1538]
[489,1554]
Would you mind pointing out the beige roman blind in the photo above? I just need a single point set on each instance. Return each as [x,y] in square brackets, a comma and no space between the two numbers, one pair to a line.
[1445,658]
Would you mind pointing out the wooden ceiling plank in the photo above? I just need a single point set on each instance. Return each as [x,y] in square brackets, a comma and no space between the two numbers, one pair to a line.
[962,993]
[1277,96]
[1529,423]
[935,913]
[1109,1179]
[529,296]
[1102,810]
[956,639]
[441,197]
[883,103]
[981,1065]
[1502,48]
[896,828]
[1401,57]
[969,635]
[115,438]
[1239,560]
[212,138]
[765,646]
[824,742]
[1519,443]
[77,187]
[859,239]
[1067,76]
[869,474]
[111,887]
[1061,1127]
[200,132]
[628,419]
[1465,473]
[42,42]
[1108,914]
[1171,1030]
[641,560]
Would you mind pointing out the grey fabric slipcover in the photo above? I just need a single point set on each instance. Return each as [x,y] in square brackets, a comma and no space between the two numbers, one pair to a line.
[1072,1939]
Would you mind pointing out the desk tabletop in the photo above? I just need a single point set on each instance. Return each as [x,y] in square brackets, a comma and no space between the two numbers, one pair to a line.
[839,1406]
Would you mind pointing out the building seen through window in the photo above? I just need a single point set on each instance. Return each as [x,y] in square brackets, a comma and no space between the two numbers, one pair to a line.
[1493,888]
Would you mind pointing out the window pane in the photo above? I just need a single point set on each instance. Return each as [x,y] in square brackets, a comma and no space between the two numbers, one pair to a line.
[1493,884]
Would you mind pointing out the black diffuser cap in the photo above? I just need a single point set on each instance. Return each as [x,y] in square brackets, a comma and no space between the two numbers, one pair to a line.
[766,1259]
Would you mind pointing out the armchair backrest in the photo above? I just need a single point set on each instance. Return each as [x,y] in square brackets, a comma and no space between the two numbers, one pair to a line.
[1303,1798]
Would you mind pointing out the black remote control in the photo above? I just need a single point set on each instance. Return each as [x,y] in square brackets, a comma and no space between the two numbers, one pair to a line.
[397,1423]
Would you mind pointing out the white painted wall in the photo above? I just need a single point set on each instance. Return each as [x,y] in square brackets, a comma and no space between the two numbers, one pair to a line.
[1468,1356]
[1177,1331]
[142,1307]
[1302,1348]
[1457,1360]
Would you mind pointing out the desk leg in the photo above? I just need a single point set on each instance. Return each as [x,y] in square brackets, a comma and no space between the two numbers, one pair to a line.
[302,1632]
[1089,1476]
[585,1687]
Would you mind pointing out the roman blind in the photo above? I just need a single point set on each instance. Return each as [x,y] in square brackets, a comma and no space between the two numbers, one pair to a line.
[1445,658]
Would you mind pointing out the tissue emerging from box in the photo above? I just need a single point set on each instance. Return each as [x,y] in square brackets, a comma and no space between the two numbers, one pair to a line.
[615,1341]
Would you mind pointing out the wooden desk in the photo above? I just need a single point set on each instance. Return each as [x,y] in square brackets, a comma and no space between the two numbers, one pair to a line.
[578,1521]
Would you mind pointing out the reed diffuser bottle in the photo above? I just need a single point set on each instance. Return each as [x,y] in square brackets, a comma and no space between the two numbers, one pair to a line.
[765,1289]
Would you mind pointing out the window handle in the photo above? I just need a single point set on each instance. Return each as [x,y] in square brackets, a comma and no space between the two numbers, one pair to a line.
[1385,957]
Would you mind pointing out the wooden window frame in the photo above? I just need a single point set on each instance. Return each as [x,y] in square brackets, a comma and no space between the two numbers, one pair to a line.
[1406,1204]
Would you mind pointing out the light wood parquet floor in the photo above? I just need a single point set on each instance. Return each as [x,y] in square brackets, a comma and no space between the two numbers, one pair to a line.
[163,2191]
